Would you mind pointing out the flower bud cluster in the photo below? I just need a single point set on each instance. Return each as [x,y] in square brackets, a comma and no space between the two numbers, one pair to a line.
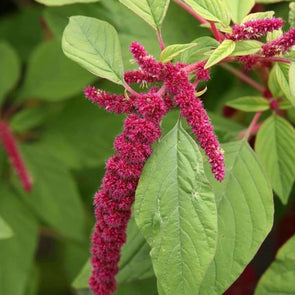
[280,45]
[133,147]
[254,29]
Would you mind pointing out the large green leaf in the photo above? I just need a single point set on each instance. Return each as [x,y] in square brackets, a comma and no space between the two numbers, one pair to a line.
[174,50]
[22,29]
[135,263]
[246,47]
[225,49]
[273,84]
[176,212]
[281,71]
[51,76]
[16,253]
[249,104]
[63,2]
[275,145]
[239,9]
[280,276]
[5,230]
[81,135]
[245,216]
[9,67]
[94,44]
[291,18]
[54,197]
[292,79]
[152,11]
[214,10]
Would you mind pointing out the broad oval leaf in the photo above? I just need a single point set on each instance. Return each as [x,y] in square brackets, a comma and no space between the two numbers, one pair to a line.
[275,145]
[152,11]
[291,18]
[174,50]
[16,253]
[245,216]
[5,230]
[63,2]
[176,212]
[214,10]
[279,277]
[292,78]
[135,263]
[246,47]
[51,76]
[239,9]
[249,104]
[10,69]
[94,44]
[281,71]
[273,84]
[224,50]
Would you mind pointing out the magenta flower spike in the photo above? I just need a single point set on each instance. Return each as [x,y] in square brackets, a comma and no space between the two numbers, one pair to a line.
[280,45]
[10,147]
[254,29]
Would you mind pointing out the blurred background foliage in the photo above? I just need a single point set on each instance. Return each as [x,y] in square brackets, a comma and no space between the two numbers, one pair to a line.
[65,140]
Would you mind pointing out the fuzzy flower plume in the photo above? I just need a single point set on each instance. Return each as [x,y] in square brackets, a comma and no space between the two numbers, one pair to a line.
[114,200]
[134,146]
[254,29]
[10,147]
[280,45]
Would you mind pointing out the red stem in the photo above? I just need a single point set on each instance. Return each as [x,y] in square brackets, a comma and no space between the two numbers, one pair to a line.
[160,39]
[215,32]
[10,147]
[252,126]
[191,11]
[244,78]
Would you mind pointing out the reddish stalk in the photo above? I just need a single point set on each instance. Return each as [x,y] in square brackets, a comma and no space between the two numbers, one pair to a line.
[253,131]
[160,39]
[215,32]
[244,78]
[10,147]
[252,127]
[191,11]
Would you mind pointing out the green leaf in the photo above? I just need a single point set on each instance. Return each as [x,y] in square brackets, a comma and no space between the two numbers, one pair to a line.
[239,9]
[245,216]
[204,45]
[273,84]
[281,71]
[214,10]
[246,47]
[153,12]
[269,1]
[53,77]
[176,212]
[275,145]
[135,263]
[258,15]
[10,69]
[173,51]
[285,105]
[54,196]
[279,277]
[28,118]
[94,44]
[22,29]
[249,104]
[81,135]
[5,230]
[63,2]
[292,79]
[291,18]
[224,50]
[16,253]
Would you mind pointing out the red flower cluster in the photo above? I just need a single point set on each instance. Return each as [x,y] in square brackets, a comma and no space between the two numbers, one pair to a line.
[133,147]
[10,146]
[280,45]
[254,29]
